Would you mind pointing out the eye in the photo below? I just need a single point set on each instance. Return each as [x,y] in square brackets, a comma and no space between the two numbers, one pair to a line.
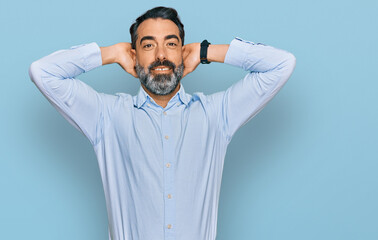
[172,44]
[147,45]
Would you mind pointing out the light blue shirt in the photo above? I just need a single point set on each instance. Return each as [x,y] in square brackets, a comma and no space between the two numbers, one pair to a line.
[161,168]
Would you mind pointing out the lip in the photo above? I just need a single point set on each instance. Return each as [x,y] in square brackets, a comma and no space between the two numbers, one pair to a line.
[161,69]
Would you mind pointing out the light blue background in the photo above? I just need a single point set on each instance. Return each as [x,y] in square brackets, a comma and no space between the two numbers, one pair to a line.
[304,168]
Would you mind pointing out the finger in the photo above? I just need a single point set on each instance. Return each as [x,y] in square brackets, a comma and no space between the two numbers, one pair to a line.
[186,72]
[132,72]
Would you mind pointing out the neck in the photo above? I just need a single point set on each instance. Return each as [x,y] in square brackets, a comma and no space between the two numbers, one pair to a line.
[162,100]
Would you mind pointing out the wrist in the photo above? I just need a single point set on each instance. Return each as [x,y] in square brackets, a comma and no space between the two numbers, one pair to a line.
[217,52]
[109,54]
[203,52]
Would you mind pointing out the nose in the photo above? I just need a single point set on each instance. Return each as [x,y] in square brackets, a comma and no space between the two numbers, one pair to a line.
[160,53]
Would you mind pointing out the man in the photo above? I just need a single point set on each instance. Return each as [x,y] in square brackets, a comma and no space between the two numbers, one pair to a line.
[161,152]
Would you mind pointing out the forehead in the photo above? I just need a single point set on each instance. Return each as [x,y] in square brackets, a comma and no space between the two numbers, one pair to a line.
[158,28]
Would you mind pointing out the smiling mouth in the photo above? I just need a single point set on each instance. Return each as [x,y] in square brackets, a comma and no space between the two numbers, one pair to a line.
[161,69]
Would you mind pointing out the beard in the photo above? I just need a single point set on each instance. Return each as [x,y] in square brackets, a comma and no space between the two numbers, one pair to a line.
[160,84]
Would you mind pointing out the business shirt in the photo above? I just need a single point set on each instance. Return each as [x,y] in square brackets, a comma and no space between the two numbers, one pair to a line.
[161,168]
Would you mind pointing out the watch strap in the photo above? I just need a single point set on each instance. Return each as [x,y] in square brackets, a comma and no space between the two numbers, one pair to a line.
[203,52]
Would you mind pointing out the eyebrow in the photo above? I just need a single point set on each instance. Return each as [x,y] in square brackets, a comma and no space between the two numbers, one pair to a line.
[153,38]
[171,36]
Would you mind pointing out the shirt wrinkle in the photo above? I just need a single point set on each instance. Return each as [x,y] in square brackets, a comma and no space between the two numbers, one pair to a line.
[161,168]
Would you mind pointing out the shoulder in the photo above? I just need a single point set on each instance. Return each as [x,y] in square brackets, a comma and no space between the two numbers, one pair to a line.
[207,98]
[117,97]
[209,101]
[112,101]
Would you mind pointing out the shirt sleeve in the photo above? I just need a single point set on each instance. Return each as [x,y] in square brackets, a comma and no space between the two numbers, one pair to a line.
[54,75]
[268,70]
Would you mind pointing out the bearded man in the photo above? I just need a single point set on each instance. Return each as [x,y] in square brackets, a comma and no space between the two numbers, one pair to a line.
[161,152]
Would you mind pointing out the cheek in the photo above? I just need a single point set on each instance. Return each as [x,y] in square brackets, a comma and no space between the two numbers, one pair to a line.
[177,59]
[145,57]
[145,63]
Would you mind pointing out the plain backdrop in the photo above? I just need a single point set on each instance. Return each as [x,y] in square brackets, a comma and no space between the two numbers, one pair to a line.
[304,168]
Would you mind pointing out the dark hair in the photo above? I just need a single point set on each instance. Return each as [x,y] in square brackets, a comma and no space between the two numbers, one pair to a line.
[157,12]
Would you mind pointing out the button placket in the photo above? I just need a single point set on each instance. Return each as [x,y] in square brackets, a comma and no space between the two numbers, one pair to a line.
[169,203]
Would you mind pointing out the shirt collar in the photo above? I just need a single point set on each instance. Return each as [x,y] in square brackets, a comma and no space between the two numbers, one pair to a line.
[143,96]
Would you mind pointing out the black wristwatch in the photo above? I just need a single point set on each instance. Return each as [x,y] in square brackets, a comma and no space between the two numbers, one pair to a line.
[203,52]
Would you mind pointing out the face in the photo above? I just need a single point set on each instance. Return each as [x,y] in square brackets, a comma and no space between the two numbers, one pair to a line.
[158,54]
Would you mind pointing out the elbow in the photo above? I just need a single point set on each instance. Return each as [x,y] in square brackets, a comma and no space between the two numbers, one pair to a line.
[287,68]
[35,71]
[289,63]
[292,61]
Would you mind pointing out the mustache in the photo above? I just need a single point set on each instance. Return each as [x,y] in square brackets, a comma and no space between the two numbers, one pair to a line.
[165,62]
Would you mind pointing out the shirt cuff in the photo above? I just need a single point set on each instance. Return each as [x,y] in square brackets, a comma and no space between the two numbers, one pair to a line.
[91,54]
[238,51]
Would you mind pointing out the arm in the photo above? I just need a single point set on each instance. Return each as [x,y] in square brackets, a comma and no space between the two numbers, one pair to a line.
[120,53]
[54,75]
[191,55]
[268,70]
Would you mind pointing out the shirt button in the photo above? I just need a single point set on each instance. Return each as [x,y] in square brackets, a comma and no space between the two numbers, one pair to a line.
[148,104]
[165,113]
[168,165]
[166,137]
[178,105]
[169,226]
[169,196]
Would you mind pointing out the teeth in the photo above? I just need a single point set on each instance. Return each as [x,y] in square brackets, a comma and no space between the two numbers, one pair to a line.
[161,69]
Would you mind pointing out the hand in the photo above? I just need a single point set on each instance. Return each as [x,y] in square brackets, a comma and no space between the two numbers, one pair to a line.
[191,56]
[126,57]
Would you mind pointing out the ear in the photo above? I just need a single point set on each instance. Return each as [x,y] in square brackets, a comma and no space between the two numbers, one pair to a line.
[133,54]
